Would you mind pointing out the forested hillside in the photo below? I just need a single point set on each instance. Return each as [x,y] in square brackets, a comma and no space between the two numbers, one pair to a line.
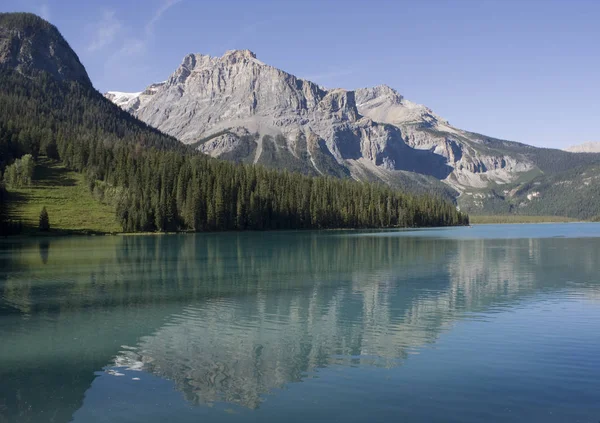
[154,182]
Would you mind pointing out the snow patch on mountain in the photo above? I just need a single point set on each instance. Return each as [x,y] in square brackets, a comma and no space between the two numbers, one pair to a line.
[121,99]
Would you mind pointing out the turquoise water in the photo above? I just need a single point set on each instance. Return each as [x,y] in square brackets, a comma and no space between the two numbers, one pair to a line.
[495,323]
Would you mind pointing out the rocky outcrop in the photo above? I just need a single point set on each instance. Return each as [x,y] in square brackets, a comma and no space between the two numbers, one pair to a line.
[586,147]
[216,103]
[472,166]
[30,45]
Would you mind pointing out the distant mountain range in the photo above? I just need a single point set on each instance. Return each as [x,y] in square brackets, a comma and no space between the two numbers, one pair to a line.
[586,147]
[237,108]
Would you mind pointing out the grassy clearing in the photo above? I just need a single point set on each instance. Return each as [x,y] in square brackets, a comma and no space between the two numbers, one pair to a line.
[70,205]
[519,219]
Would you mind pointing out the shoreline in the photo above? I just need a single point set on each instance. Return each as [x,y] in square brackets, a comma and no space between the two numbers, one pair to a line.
[67,233]
[77,233]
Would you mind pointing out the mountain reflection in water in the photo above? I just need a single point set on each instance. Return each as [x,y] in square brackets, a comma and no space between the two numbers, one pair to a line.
[233,317]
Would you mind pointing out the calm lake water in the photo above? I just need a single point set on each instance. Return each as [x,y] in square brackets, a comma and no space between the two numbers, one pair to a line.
[487,324]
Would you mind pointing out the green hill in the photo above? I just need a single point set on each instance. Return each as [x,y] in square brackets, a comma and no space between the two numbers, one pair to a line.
[65,194]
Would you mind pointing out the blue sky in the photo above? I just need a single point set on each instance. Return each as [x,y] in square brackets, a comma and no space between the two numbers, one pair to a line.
[521,70]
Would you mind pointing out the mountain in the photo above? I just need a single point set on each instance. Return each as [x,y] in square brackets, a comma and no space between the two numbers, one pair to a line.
[33,53]
[31,46]
[48,107]
[47,98]
[238,108]
[586,147]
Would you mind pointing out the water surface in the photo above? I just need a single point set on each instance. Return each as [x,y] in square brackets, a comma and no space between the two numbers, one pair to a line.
[493,323]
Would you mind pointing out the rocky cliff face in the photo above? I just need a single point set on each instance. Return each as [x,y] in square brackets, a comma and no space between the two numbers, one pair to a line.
[586,147]
[237,107]
[472,166]
[30,45]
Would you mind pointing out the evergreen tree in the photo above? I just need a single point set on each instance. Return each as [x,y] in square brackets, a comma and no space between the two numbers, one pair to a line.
[44,224]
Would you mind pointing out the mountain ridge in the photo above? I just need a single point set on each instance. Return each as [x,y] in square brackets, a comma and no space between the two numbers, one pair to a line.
[367,133]
[586,147]
[235,107]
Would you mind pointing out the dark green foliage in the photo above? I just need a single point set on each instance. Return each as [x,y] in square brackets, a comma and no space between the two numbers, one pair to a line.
[574,193]
[23,21]
[208,194]
[44,220]
[208,138]
[560,184]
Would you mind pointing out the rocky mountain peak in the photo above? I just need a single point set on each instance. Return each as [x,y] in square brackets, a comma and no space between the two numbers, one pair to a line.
[234,55]
[586,147]
[198,63]
[30,45]
[190,60]
[238,108]
[194,61]
[380,91]
[384,104]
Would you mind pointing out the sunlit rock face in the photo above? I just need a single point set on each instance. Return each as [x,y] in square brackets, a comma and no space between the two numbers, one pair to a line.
[586,147]
[370,133]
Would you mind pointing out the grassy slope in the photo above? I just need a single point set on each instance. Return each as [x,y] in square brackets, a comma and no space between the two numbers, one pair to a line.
[70,204]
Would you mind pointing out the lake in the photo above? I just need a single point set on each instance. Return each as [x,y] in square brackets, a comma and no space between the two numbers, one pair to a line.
[495,323]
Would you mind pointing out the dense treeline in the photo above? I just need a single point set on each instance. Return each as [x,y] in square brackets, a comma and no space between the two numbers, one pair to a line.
[168,191]
[157,184]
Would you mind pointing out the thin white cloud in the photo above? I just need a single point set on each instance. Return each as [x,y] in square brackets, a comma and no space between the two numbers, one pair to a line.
[166,5]
[110,29]
[105,32]
[45,11]
[138,45]
[134,46]
[128,54]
